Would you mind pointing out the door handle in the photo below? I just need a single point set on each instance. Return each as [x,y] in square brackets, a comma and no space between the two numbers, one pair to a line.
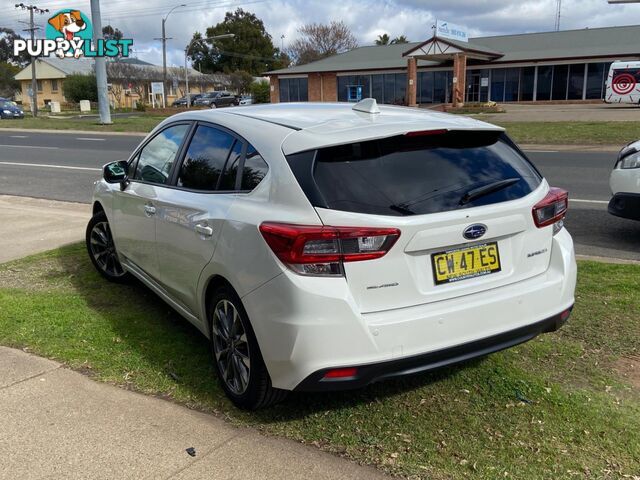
[204,229]
[149,210]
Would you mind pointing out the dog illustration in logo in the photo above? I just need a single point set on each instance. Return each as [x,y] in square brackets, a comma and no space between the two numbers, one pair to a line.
[68,24]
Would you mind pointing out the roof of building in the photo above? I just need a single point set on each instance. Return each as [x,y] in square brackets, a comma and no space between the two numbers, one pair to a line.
[566,44]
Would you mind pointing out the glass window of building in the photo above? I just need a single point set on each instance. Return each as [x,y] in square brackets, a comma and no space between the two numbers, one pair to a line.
[294,89]
[560,75]
[545,77]
[511,84]
[527,82]
[425,87]
[576,82]
[595,80]
[377,88]
[497,85]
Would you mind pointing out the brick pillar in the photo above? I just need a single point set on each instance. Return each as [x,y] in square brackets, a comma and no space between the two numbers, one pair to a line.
[274,89]
[412,82]
[460,74]
[329,87]
[314,84]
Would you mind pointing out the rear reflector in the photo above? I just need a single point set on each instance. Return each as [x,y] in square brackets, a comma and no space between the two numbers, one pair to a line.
[339,373]
[321,250]
[552,208]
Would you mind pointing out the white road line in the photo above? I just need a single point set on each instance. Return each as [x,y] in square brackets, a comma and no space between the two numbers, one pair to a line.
[579,200]
[88,139]
[30,146]
[19,136]
[43,165]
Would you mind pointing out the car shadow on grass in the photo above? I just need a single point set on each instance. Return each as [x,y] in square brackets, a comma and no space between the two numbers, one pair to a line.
[161,353]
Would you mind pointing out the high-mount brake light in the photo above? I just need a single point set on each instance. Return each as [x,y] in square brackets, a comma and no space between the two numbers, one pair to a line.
[425,133]
[552,208]
[322,250]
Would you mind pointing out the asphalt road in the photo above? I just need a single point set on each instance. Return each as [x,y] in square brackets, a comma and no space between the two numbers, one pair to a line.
[63,166]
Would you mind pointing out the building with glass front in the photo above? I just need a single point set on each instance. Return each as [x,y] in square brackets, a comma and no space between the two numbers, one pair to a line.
[560,66]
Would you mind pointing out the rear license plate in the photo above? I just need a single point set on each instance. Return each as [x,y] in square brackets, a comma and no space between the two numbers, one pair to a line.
[465,262]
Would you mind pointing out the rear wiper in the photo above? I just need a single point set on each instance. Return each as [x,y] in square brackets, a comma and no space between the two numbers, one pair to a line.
[401,209]
[487,189]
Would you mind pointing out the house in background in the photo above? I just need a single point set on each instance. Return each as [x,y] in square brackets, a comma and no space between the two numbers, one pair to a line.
[129,80]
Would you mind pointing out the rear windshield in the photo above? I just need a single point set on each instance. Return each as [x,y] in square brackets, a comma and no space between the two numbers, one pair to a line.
[413,175]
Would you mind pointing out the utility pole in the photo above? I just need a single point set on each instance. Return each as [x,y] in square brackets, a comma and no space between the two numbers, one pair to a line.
[558,14]
[164,39]
[101,67]
[32,28]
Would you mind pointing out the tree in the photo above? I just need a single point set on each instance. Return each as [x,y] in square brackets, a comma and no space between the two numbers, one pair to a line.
[399,40]
[251,50]
[382,39]
[260,91]
[8,84]
[110,33]
[241,81]
[7,37]
[320,41]
[80,87]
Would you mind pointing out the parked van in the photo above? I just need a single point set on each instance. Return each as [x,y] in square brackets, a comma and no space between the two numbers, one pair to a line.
[623,83]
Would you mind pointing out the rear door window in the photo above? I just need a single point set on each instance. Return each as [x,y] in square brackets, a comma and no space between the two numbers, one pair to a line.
[205,159]
[412,175]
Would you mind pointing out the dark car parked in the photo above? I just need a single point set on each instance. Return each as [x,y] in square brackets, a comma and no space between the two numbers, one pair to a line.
[217,100]
[182,101]
[9,109]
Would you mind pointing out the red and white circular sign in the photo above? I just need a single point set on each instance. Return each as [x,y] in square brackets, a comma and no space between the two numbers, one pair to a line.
[623,84]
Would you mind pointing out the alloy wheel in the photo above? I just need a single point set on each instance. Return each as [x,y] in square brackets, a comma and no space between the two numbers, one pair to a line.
[230,347]
[103,250]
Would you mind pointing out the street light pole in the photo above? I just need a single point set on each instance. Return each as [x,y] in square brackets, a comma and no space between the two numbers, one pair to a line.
[164,39]
[186,54]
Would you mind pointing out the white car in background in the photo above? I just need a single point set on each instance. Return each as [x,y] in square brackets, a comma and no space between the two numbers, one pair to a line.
[625,183]
[328,246]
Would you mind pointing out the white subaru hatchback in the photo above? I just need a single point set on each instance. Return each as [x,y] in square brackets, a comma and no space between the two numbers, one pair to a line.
[329,246]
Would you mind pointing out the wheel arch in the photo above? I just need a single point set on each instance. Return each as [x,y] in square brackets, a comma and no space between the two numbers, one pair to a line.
[213,283]
[97,207]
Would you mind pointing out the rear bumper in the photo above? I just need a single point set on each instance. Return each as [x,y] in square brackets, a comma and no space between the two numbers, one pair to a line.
[308,325]
[371,373]
[625,205]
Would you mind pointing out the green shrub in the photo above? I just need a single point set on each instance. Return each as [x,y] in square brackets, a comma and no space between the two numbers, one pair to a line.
[80,87]
[260,92]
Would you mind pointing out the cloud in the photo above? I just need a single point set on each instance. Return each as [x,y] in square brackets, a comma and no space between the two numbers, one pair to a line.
[368,19]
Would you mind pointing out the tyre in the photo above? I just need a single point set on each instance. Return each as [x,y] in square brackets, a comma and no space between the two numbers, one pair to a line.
[236,355]
[102,250]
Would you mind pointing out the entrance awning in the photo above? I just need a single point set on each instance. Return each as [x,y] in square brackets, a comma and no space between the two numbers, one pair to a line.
[442,49]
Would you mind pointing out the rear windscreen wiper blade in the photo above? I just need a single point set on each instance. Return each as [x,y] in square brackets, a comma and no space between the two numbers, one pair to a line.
[400,208]
[475,193]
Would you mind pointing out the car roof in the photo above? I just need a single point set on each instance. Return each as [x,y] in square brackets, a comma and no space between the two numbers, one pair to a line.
[316,125]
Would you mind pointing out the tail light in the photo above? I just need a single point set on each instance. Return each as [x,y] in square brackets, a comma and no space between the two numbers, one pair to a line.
[551,209]
[322,250]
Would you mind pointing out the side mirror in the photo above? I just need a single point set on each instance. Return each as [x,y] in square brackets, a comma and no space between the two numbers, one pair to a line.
[116,172]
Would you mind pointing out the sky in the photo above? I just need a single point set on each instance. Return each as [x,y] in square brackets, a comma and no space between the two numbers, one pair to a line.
[366,18]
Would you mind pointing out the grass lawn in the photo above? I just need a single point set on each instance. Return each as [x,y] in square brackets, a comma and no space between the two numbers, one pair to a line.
[142,124]
[572,133]
[560,406]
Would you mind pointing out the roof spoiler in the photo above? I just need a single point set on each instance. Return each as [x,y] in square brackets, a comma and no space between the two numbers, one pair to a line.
[368,105]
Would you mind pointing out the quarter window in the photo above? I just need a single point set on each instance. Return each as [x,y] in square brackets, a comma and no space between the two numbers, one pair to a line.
[255,169]
[157,157]
[206,159]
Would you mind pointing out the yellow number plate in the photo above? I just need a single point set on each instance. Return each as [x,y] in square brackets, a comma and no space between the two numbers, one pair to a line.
[467,262]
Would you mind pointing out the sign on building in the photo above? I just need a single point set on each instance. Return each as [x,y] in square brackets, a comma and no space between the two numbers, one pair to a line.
[446,29]
[157,88]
